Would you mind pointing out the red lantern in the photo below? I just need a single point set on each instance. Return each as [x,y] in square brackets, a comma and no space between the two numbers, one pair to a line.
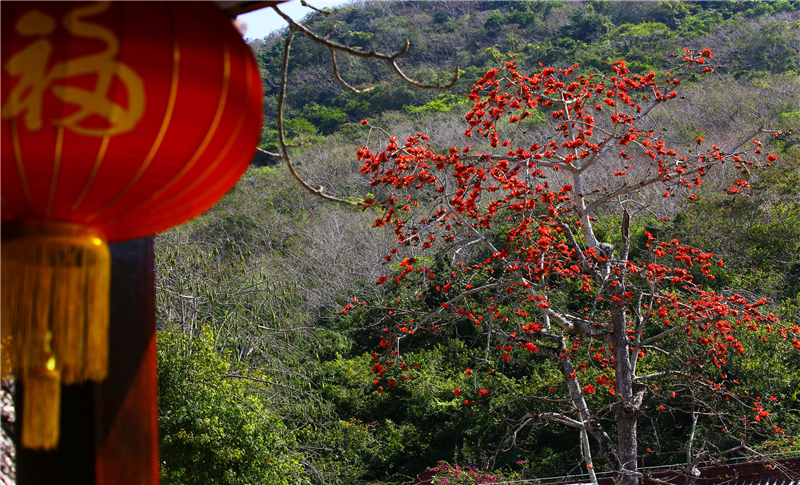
[119,120]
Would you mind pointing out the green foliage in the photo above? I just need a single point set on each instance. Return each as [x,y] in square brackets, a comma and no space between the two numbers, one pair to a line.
[522,19]
[390,96]
[212,429]
[441,17]
[415,421]
[299,126]
[325,118]
[646,30]
[494,22]
[443,102]
[360,39]
[586,25]
[295,129]
[780,38]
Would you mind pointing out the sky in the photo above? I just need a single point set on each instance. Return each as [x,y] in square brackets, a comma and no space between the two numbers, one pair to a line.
[261,23]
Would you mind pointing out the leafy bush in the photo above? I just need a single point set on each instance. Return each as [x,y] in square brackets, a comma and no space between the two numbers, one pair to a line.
[326,118]
[360,39]
[443,102]
[212,430]
[523,19]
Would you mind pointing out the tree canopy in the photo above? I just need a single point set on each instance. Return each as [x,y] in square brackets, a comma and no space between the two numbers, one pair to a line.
[501,239]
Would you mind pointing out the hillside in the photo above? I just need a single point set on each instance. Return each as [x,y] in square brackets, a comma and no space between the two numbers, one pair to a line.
[261,373]
[748,38]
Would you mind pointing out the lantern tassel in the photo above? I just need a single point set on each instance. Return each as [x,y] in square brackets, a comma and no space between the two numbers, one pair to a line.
[41,407]
[55,290]
[9,295]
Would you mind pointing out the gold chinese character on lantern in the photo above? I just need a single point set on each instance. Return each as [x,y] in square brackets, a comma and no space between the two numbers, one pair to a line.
[30,66]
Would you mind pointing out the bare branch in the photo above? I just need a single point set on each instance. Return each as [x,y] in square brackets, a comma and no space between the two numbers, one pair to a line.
[271,154]
[339,77]
[453,301]
[282,136]
[264,381]
[672,330]
[323,11]
[657,375]
[625,189]
[560,418]
[752,135]
[390,59]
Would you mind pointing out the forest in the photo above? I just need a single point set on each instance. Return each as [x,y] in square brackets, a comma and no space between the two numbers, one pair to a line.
[582,260]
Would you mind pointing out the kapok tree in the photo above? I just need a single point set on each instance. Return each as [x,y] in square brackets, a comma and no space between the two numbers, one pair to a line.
[506,240]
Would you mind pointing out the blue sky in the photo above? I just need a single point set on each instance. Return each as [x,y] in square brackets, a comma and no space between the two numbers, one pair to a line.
[261,23]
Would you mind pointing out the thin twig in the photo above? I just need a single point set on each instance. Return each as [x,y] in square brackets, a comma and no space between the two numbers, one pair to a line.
[323,11]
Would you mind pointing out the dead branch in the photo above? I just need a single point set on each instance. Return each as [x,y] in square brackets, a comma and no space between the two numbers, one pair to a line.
[390,59]
[334,47]
[319,191]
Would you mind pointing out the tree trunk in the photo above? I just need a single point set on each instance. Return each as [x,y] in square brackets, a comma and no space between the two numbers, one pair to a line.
[607,450]
[627,411]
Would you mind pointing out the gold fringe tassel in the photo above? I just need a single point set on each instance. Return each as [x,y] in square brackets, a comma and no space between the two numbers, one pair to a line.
[41,407]
[55,291]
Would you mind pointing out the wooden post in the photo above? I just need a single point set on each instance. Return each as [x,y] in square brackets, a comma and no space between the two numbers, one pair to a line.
[109,431]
